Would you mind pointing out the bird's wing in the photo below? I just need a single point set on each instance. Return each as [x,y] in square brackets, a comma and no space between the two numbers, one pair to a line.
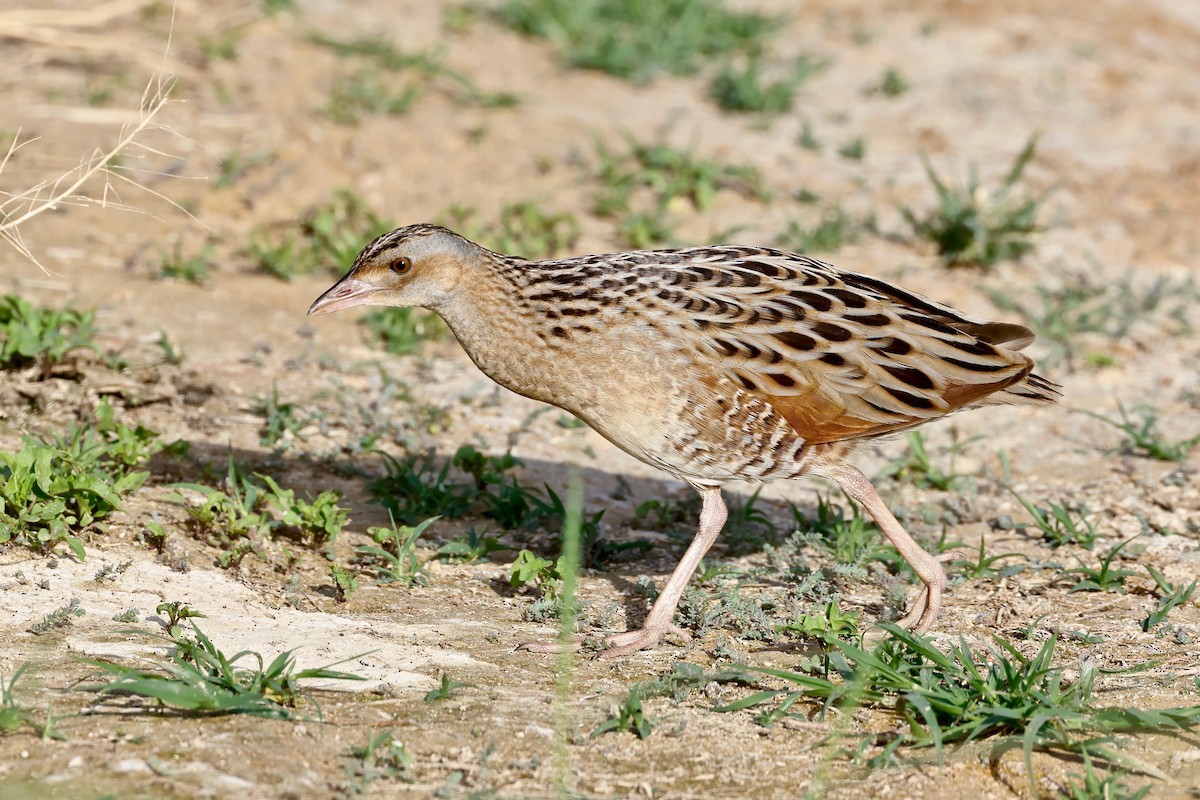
[839,355]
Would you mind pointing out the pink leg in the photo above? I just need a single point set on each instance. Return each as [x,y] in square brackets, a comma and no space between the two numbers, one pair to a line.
[928,568]
[658,621]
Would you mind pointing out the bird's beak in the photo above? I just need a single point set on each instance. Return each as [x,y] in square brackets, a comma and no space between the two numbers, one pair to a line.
[346,293]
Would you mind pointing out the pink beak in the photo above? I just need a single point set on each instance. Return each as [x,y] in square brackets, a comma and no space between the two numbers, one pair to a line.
[346,293]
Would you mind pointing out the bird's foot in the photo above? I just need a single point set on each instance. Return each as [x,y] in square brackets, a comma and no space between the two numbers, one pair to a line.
[928,605]
[615,646]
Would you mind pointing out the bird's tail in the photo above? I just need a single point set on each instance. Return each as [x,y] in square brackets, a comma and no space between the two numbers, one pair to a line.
[1033,388]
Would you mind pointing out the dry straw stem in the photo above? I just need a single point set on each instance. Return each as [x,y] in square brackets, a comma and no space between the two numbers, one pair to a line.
[46,26]
[68,188]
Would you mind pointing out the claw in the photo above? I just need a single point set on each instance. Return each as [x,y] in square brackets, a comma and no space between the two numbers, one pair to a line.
[928,604]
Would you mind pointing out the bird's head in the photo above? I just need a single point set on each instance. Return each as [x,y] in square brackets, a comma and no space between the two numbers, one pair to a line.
[420,265]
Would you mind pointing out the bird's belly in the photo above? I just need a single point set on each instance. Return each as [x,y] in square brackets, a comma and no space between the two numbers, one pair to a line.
[701,433]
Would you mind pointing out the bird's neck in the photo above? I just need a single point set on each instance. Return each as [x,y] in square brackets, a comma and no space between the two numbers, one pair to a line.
[496,329]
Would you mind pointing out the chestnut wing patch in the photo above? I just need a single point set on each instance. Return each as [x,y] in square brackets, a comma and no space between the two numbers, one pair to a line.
[839,355]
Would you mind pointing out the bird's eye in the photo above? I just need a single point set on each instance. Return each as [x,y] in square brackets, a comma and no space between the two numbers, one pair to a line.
[401,265]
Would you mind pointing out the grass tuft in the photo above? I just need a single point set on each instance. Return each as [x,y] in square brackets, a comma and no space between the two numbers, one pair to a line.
[53,489]
[637,40]
[373,89]
[950,698]
[34,336]
[393,557]
[325,239]
[1142,437]
[974,225]
[744,89]
[1062,523]
[201,679]
[644,185]
[523,229]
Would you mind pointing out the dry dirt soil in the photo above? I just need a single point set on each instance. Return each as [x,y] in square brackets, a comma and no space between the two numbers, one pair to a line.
[1112,89]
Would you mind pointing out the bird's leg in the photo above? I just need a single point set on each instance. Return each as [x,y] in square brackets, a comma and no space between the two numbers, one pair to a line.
[928,568]
[659,621]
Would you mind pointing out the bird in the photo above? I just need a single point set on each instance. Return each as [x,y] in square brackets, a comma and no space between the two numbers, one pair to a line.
[711,363]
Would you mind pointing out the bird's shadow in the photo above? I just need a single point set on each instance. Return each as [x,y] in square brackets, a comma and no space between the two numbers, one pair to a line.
[210,463]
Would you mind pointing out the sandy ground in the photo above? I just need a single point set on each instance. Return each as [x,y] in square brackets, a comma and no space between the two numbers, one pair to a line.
[1111,89]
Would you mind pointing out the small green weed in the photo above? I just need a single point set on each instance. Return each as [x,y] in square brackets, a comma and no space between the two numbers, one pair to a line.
[191,268]
[1142,438]
[282,420]
[485,470]
[13,717]
[369,90]
[459,18]
[670,174]
[202,679]
[747,526]
[231,517]
[110,572]
[470,548]
[747,616]
[34,336]
[636,40]
[344,582]
[807,138]
[1061,523]
[646,229]
[973,225]
[546,577]
[834,230]
[918,468]
[403,330]
[853,150]
[394,556]
[852,539]
[50,491]
[171,354]
[1171,596]
[1092,786]
[531,569]
[411,490]
[58,618]
[381,757]
[523,229]
[668,514]
[221,47]
[831,622]
[235,165]
[177,612]
[320,519]
[248,509]
[743,88]
[627,716]
[644,184]
[1105,577]
[891,84]
[984,565]
[327,238]
[445,689]
[365,91]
